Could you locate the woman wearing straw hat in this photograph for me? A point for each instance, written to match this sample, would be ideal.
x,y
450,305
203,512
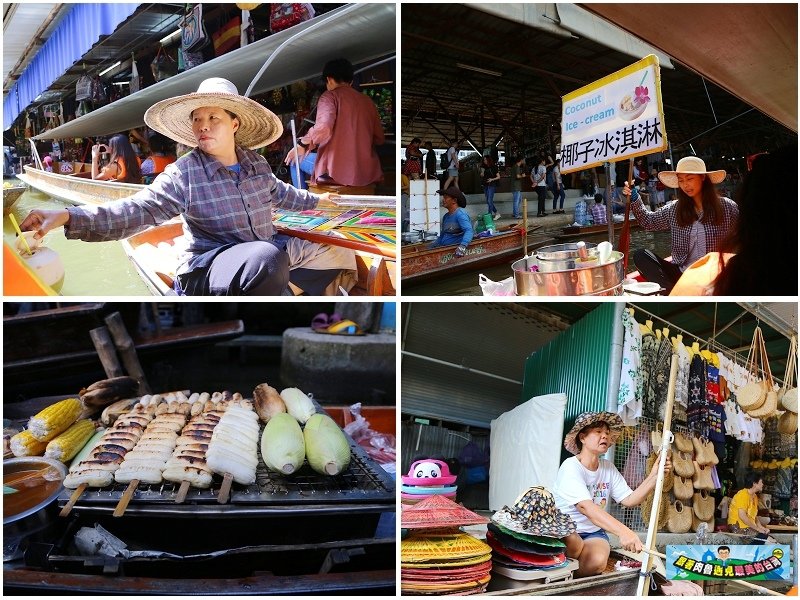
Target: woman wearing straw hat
x,y
224,193
586,483
698,221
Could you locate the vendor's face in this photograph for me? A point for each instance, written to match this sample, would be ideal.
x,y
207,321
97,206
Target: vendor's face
x,y
214,129
596,438
690,184
448,201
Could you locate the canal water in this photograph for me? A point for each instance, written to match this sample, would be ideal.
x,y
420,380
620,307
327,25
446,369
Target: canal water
x,y
91,269
466,284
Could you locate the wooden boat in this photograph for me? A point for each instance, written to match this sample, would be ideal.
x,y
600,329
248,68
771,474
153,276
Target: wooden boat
x,y
572,232
77,188
11,195
420,263
154,254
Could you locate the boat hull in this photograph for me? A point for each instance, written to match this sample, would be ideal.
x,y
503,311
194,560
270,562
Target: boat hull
x,y
11,195
77,190
574,232
419,263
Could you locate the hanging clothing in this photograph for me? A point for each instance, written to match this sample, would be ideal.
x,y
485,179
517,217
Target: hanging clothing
x,y
682,380
629,397
647,362
696,413
660,378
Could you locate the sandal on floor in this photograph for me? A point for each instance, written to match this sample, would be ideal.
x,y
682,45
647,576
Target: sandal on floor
x,y
323,321
342,327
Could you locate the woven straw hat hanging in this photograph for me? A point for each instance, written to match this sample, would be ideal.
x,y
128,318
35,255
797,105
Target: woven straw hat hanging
x,y
679,518
752,394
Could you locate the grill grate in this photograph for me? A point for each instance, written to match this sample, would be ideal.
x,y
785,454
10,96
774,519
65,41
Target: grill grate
x,y
364,481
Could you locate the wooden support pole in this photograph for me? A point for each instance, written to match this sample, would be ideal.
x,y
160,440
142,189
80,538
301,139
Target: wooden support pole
x,y
106,351
127,350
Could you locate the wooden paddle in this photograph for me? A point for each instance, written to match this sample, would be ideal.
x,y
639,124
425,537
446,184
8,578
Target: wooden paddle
x,y
625,235
72,500
126,498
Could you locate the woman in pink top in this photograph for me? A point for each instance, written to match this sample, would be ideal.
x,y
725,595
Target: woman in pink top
x,y
345,134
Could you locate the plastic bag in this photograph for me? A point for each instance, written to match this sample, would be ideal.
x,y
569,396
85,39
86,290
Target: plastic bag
x,y
380,446
497,288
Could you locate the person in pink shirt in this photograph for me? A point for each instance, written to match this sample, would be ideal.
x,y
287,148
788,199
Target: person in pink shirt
x,y
346,132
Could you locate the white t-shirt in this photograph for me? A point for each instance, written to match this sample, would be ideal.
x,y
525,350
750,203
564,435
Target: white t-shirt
x,y
575,483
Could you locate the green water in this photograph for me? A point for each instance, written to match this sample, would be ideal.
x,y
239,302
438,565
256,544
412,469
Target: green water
x,y
90,269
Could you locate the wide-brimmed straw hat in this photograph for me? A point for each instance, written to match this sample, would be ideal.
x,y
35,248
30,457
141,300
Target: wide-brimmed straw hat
x,y
588,419
690,165
535,513
173,117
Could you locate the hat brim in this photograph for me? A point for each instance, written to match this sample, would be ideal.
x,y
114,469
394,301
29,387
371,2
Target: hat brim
x,y
172,117
613,421
670,178
428,481
562,527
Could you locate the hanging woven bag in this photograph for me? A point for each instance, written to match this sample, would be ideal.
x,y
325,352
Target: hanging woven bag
x,y
753,394
703,505
682,488
682,464
679,518
683,443
787,395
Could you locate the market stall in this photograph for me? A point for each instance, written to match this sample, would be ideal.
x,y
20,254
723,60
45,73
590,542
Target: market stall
x,y
131,485
493,423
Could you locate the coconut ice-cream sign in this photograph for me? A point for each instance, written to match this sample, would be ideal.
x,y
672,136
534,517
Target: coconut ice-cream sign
x,y
614,118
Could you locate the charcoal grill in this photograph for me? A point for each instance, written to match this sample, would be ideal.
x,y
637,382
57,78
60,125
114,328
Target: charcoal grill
x,y
303,533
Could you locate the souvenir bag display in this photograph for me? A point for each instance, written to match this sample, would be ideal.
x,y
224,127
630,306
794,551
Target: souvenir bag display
x,y
83,89
770,406
136,79
99,95
228,36
163,65
704,452
282,16
193,31
682,488
703,505
679,518
787,395
753,394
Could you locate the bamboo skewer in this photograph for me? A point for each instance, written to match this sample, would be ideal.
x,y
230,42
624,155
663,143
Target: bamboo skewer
x,y
72,500
225,489
740,582
126,498
182,491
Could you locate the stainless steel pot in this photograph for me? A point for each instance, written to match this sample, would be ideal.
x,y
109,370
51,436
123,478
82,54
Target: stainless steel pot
x,y
591,280
34,518
561,257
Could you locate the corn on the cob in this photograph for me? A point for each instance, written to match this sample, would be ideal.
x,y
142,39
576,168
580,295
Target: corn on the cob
x,y
24,444
66,445
54,419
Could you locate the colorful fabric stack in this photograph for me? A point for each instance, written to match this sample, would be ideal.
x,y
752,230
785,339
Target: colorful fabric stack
x,y
526,536
427,478
439,559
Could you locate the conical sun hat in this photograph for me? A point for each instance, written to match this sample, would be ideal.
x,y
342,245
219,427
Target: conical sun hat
x,y
437,512
441,547
414,498
588,419
173,116
480,568
535,513
690,165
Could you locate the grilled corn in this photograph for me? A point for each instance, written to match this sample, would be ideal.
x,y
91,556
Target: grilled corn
x,y
24,444
54,419
66,445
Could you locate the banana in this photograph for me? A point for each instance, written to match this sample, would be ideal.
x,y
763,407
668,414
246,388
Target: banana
x,y
125,382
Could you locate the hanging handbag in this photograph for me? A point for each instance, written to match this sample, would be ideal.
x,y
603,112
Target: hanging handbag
x,y
83,89
193,31
647,506
679,518
788,393
163,65
683,443
227,37
704,452
702,479
752,394
682,464
787,423
770,406
668,478
682,488
703,505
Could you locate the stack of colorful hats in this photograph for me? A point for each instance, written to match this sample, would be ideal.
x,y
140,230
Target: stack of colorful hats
x,y
437,558
426,478
526,537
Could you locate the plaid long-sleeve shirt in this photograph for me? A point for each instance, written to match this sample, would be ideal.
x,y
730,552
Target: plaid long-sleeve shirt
x,y
664,219
217,207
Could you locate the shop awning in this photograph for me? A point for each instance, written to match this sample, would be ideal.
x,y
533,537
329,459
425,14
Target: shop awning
x,y
75,35
751,51
358,32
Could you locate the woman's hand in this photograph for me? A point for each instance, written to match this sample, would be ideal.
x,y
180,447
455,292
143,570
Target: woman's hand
x,y
297,153
97,149
633,194
42,221
667,467
630,541
327,198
